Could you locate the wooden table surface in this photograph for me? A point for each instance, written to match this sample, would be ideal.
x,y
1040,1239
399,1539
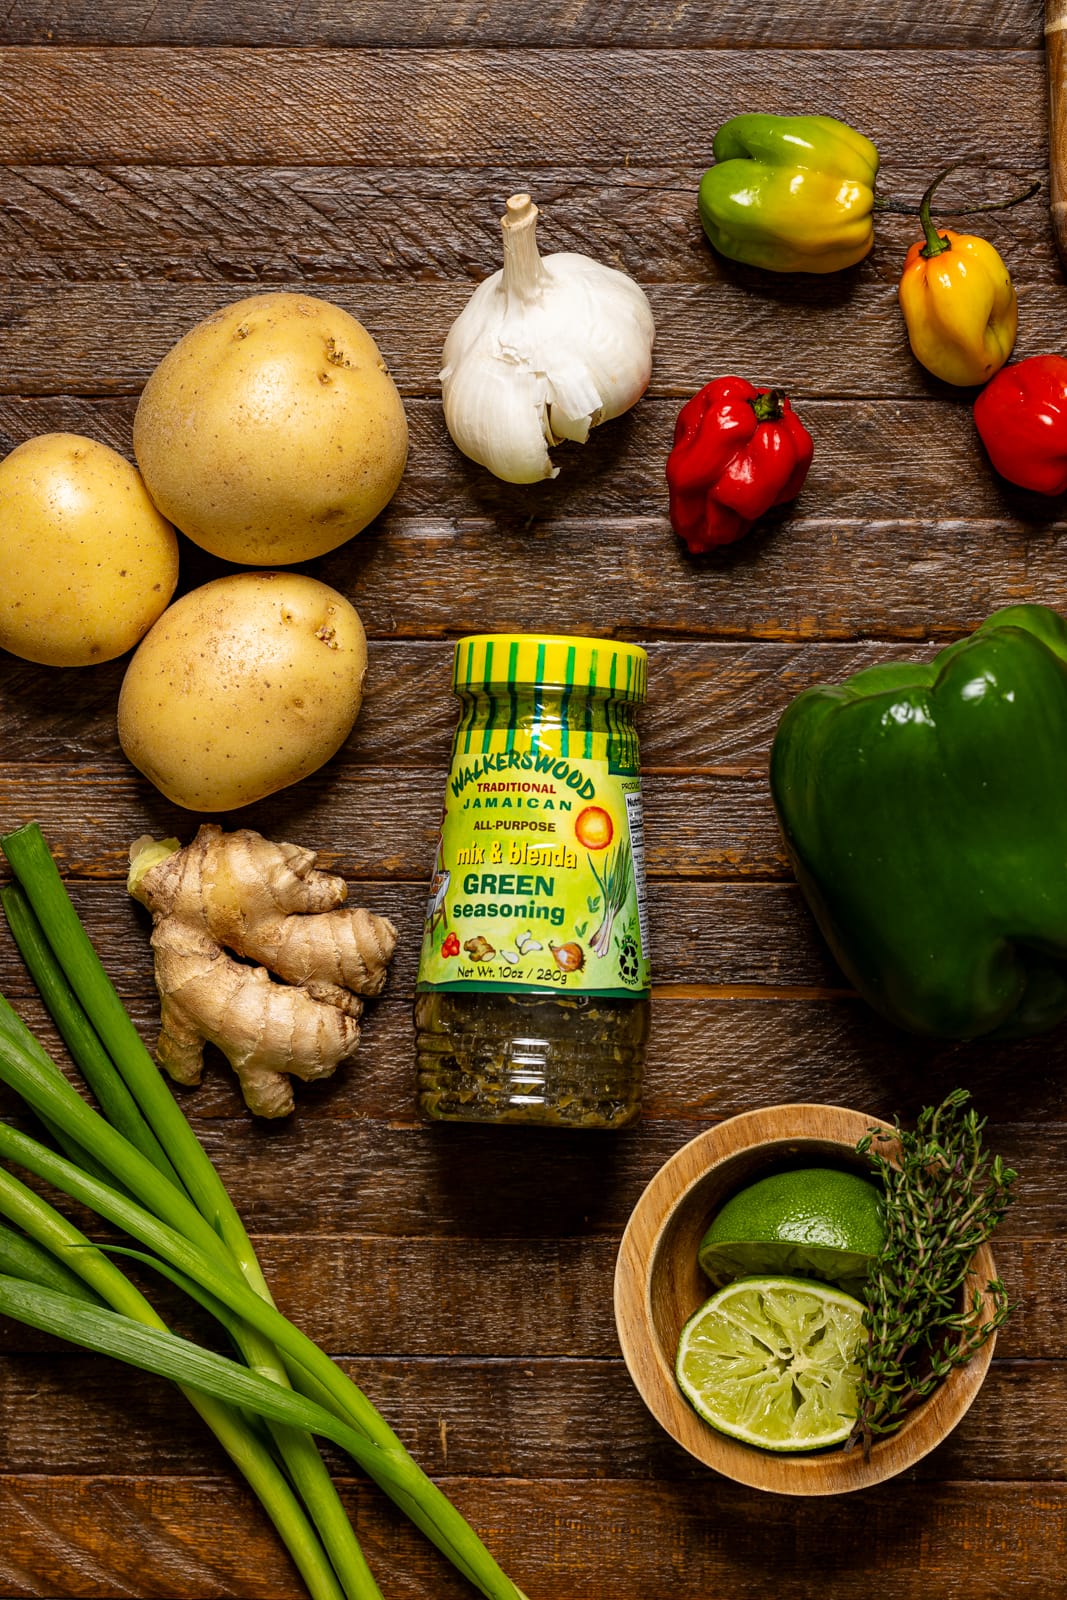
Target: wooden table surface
x,y
160,160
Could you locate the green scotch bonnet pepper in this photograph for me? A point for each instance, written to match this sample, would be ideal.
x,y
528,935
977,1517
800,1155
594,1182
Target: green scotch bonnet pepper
x,y
791,194
924,808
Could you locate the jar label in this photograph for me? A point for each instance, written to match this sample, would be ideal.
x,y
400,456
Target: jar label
x,y
539,881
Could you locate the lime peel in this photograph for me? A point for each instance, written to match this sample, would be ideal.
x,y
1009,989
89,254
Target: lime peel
x,y
821,1222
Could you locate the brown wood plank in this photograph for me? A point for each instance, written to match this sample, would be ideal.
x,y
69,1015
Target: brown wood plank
x,y
458,551
762,933
817,579
725,701
246,228
105,339
661,105
524,1418
400,1180
866,470
382,821
352,1176
713,707
117,1537
619,23
462,1181
713,1054
565,1307
537,1299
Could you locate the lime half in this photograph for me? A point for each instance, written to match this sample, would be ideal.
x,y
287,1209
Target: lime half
x,y
819,1221
775,1362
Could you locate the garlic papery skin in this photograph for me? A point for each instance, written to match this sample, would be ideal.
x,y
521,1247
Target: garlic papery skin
x,y
544,350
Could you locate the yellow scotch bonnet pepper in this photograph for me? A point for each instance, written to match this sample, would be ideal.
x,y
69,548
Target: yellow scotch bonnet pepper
x,y
791,194
959,303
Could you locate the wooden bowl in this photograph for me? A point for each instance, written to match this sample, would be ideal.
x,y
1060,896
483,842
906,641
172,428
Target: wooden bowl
x,y
658,1285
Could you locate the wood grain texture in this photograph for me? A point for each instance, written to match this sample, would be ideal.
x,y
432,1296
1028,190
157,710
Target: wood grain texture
x,y
327,225
135,1537
1056,60
408,1180
713,707
101,339
700,825
539,1301
158,160
619,23
445,108
705,933
714,1053
866,471
525,1418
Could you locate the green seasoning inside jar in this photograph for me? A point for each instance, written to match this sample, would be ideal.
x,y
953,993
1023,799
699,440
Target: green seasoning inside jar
x,y
532,996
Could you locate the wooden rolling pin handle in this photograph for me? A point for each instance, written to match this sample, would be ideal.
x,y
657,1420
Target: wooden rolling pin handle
x,y
1056,56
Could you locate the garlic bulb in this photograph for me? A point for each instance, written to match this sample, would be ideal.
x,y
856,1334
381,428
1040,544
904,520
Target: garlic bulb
x,y
544,350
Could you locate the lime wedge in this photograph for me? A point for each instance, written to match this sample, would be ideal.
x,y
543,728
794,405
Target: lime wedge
x,y
775,1362
820,1221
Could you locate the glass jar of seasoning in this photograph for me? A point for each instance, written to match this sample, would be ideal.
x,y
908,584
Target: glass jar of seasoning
x,y
532,1000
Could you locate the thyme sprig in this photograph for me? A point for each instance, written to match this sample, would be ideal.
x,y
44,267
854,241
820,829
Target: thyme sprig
x,y
944,1195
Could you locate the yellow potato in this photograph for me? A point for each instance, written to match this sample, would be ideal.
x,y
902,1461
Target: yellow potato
x,y
86,561
243,687
272,432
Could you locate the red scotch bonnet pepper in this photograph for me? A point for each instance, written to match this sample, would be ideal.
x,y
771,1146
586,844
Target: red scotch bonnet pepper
x,y
1021,417
737,452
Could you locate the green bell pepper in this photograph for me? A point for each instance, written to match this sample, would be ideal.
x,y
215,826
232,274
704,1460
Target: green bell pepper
x,y
794,194
924,807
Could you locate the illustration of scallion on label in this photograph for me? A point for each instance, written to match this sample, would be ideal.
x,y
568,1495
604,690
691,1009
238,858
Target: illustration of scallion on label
x,y
615,885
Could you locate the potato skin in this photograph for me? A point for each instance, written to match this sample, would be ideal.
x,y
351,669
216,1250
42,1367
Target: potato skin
x,y
272,432
243,687
87,563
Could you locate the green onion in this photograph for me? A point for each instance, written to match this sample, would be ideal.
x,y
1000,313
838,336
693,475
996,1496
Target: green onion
x,y
21,1257
389,1463
68,1251
38,875
143,1104
153,1348
114,1098
203,1246
75,987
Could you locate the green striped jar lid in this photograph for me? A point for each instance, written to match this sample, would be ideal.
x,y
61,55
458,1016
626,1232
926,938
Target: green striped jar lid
x,y
561,661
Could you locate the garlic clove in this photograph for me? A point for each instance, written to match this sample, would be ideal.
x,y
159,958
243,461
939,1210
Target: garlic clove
x,y
496,410
617,350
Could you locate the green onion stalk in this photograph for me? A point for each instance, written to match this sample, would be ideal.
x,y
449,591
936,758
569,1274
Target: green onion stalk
x,y
297,1449
154,1180
34,1275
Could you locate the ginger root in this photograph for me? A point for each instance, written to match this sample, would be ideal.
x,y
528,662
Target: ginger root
x,y
264,902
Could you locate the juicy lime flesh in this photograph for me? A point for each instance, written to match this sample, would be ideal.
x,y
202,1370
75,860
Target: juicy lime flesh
x,y
819,1221
774,1362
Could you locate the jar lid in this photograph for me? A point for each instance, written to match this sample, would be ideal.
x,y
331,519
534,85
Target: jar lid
x,y
562,661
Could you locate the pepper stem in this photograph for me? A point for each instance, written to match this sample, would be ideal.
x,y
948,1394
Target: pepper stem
x,y
936,243
523,272
768,405
904,208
